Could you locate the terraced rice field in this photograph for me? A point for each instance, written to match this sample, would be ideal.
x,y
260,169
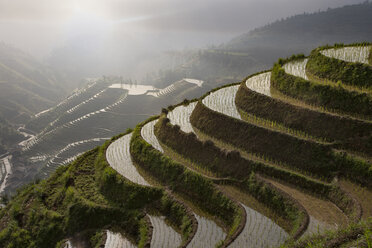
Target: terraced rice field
x,y
85,102
67,100
207,229
109,107
70,159
223,101
312,204
316,227
147,133
37,139
72,148
350,54
181,116
208,234
163,235
68,105
116,240
260,83
118,156
66,155
259,231
133,89
194,81
2,171
324,215
6,170
297,68
169,89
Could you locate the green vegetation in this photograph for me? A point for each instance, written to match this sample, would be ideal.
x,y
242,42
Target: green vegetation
x,y
226,164
278,201
326,96
355,235
117,188
43,213
321,125
195,187
85,195
314,157
232,165
120,189
354,74
370,56
310,157
88,196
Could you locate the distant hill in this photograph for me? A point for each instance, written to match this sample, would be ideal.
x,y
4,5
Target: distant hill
x,y
26,86
303,32
258,49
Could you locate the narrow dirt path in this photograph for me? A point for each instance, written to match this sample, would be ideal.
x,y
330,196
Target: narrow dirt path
x,y
323,214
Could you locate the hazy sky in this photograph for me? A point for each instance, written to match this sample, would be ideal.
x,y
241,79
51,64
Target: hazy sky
x,y
38,26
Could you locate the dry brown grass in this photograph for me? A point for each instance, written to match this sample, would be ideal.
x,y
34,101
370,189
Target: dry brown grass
x,y
322,210
362,194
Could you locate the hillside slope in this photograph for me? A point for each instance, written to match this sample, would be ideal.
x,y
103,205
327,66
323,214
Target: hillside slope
x,y
303,32
106,105
221,170
26,86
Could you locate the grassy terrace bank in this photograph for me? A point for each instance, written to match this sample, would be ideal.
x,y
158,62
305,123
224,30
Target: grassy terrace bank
x,y
326,96
234,170
175,212
355,235
322,125
88,197
73,200
318,160
347,133
230,164
189,184
353,74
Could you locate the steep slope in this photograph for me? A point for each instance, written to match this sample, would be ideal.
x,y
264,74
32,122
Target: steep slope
x,y
213,171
